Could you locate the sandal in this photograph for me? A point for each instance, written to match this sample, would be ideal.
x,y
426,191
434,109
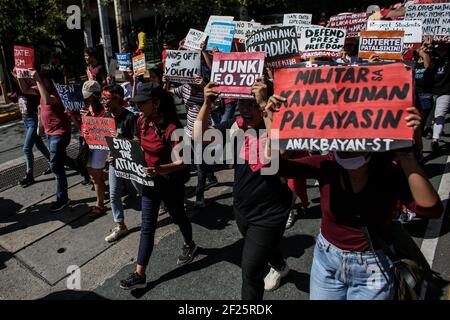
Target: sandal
x,y
97,212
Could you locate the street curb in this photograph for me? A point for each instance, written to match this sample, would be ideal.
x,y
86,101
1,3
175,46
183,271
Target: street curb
x,y
9,116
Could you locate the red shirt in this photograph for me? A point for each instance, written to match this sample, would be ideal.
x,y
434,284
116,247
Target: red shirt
x,y
54,118
96,73
155,141
376,203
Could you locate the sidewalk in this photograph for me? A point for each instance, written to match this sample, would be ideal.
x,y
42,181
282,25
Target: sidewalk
x,y
9,112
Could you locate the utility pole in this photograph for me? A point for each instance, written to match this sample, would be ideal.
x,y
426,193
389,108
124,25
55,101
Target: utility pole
x,y
87,30
104,26
120,23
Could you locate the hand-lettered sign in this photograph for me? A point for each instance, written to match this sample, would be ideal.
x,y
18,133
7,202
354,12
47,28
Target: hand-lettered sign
x,y
321,42
298,20
139,64
244,29
388,45
71,96
352,108
124,61
280,44
23,61
352,22
216,19
129,162
412,29
95,129
236,72
194,39
221,36
435,18
182,66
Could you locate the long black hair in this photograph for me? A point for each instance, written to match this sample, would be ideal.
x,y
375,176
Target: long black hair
x,y
168,109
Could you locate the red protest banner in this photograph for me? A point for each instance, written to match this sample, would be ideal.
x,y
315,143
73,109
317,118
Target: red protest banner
x,y
236,72
23,60
352,108
97,129
353,23
388,45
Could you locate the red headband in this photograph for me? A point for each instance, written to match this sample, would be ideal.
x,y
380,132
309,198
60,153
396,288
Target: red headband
x,y
110,95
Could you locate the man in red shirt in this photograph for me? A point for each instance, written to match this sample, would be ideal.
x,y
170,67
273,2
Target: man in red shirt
x,y
94,70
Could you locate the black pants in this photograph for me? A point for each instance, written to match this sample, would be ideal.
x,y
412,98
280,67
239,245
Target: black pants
x,y
171,191
261,247
204,171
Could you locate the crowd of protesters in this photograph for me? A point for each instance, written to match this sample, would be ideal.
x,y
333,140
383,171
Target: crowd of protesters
x,y
371,187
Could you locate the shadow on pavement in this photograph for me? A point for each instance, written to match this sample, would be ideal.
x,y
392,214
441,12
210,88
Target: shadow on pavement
x,y
73,295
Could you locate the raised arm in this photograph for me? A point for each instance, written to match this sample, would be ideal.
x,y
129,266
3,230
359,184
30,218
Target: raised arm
x,y
46,97
202,121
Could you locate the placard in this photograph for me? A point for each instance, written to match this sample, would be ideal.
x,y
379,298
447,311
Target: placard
x,y
194,39
71,96
412,28
216,19
97,129
221,36
280,44
236,72
435,18
350,108
244,29
321,42
298,20
23,61
139,64
124,61
388,45
352,22
182,66
129,162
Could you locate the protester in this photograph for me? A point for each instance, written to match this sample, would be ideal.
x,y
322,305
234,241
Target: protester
x,y
142,40
94,70
344,264
133,40
156,125
28,104
112,101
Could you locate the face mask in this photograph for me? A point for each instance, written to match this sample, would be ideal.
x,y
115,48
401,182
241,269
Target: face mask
x,y
351,163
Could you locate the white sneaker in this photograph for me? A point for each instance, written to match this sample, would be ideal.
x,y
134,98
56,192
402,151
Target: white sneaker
x,y
291,219
116,234
273,279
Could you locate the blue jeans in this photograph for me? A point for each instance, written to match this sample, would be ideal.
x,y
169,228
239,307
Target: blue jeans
x,y
346,275
228,113
58,145
32,139
115,194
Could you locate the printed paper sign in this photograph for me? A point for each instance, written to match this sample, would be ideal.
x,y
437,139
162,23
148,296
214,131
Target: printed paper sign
x,y
71,96
194,39
97,129
124,61
412,29
388,45
352,108
23,61
236,72
182,66
245,29
221,36
435,18
280,44
216,19
139,64
129,162
298,20
321,42
352,22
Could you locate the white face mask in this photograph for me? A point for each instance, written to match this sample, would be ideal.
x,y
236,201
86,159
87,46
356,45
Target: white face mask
x,y
351,163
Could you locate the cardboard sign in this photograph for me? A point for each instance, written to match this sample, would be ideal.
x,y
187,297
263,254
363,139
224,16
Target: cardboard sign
x,y
244,30
221,36
352,108
352,22
280,44
98,128
139,64
236,72
321,42
216,19
412,29
435,18
194,39
182,65
129,162
71,96
298,20
23,61
124,61
387,44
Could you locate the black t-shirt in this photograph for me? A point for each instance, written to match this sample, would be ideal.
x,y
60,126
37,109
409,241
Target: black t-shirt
x,y
423,78
442,76
126,125
263,200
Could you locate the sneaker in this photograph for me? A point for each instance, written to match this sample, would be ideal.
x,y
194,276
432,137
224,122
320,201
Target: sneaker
x,y
292,218
187,254
162,208
26,181
200,202
59,205
116,234
211,182
134,281
47,171
434,146
273,279
86,181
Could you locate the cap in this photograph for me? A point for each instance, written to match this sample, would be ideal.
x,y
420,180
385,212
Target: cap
x,y
147,91
90,87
